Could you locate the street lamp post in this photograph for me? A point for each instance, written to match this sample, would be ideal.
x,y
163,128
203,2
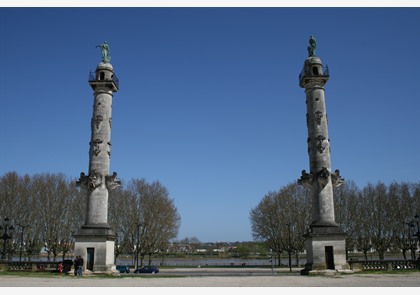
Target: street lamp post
x,y
272,261
7,235
289,249
410,243
21,241
417,221
137,246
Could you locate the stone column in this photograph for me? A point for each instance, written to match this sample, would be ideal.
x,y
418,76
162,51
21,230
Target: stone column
x,y
95,240
325,240
318,143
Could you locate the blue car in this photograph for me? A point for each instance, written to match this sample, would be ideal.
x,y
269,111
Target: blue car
x,y
123,268
147,269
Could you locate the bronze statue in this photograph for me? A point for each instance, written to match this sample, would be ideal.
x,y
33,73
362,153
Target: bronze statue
x,y
106,52
312,46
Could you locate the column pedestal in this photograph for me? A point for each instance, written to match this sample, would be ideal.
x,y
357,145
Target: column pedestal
x,y
96,245
325,250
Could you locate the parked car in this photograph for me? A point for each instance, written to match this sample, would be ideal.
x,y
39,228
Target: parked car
x,y
67,265
123,268
147,269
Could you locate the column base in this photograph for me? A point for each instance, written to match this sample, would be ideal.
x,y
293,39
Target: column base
x,y
325,250
96,245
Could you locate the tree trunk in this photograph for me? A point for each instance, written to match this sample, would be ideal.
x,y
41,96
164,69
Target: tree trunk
x,y
366,255
150,259
404,255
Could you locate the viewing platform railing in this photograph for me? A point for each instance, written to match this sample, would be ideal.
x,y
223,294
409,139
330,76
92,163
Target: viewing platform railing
x,y
92,78
325,73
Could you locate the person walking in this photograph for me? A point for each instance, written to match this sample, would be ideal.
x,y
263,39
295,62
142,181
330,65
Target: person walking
x,y
76,265
80,266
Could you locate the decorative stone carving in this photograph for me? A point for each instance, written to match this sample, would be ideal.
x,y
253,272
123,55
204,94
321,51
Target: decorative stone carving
x,y
96,149
98,120
112,182
318,117
336,178
306,179
110,122
83,181
322,177
89,182
95,180
319,143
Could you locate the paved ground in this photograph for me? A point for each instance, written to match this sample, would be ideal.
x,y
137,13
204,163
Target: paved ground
x,y
285,279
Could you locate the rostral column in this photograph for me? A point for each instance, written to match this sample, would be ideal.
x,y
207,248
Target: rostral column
x,y
325,241
95,241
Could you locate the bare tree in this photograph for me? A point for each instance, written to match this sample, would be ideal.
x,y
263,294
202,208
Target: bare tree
x,y
381,216
120,219
402,196
12,196
363,228
298,211
53,195
156,218
271,219
347,211
266,223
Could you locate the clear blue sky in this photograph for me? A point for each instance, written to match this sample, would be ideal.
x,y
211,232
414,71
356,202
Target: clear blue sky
x,y
209,101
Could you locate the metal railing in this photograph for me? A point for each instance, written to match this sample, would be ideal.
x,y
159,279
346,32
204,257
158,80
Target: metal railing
x,y
325,73
92,78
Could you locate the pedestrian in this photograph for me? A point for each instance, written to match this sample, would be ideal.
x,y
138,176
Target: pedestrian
x,y
76,265
80,264
60,268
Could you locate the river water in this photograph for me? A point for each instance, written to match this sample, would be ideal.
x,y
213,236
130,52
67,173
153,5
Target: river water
x,y
189,262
